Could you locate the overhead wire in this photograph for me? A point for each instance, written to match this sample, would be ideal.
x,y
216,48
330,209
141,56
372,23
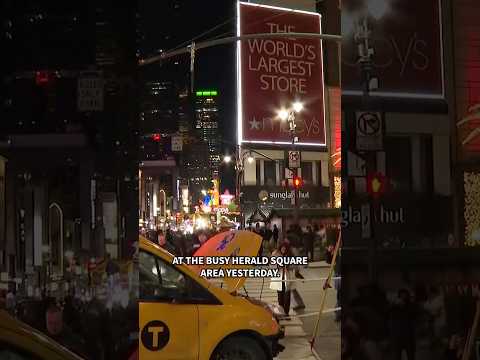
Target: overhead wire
x,y
185,43
201,35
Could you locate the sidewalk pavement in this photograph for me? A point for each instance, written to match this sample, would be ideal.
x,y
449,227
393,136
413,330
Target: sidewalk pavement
x,y
327,342
296,341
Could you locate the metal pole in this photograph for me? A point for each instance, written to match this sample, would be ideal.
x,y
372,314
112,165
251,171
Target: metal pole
x,y
238,172
366,67
295,175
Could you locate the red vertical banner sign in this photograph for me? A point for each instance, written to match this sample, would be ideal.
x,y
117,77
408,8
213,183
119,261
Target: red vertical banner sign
x,y
274,73
335,116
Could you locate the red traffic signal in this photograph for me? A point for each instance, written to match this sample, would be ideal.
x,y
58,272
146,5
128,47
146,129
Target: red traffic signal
x,y
297,182
156,137
376,184
42,78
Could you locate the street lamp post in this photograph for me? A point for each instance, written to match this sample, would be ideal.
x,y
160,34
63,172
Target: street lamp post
x,y
289,116
239,168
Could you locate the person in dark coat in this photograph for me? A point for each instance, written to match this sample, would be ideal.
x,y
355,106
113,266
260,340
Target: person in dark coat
x,y
259,231
308,240
266,236
275,234
162,241
402,326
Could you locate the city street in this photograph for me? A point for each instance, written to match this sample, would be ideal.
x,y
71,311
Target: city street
x,y
298,331
147,148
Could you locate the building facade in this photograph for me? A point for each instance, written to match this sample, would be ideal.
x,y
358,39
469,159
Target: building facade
x,y
207,125
67,183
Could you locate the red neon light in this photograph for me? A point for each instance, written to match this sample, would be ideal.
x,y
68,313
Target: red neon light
x,y
335,96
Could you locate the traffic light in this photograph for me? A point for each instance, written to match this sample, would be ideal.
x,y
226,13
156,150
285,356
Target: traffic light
x,y
297,182
156,137
376,184
42,78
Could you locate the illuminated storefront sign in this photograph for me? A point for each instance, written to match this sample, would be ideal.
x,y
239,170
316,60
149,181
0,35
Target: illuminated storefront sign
x,y
274,73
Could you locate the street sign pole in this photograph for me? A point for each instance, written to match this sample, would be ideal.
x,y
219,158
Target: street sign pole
x,y
295,170
372,249
369,83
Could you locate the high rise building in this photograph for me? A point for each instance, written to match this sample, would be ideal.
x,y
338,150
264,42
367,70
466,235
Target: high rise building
x,y
207,123
158,107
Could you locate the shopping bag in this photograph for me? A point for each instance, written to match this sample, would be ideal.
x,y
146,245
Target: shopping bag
x,y
276,283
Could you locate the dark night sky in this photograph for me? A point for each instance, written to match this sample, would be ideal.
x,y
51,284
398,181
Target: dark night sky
x,y
166,24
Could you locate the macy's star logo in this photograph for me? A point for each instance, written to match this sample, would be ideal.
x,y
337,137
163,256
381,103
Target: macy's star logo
x,y
473,114
254,124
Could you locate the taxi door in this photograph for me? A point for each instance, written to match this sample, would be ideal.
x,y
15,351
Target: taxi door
x,y
168,318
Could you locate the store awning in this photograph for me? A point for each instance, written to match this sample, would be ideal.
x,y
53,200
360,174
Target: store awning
x,y
258,216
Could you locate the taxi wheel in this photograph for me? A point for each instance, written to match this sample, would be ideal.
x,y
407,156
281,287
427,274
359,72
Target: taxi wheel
x,y
239,348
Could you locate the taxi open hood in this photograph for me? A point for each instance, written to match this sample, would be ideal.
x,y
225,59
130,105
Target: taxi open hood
x,y
230,243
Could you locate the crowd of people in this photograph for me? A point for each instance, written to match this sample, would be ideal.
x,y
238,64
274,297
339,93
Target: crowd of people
x,y
178,243
303,241
412,323
298,237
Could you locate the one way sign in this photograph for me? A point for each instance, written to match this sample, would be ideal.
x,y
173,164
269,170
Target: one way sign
x,y
369,129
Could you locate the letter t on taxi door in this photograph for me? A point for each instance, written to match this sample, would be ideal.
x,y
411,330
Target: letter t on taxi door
x,y
155,330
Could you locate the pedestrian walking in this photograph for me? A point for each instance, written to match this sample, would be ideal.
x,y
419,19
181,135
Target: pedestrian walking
x,y
308,240
285,286
275,234
300,305
267,235
259,231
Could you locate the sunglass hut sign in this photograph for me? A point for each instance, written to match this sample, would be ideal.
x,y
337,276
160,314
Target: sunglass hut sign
x,y
282,195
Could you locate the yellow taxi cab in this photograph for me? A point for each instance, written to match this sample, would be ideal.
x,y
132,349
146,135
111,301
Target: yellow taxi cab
x,y
19,341
184,316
